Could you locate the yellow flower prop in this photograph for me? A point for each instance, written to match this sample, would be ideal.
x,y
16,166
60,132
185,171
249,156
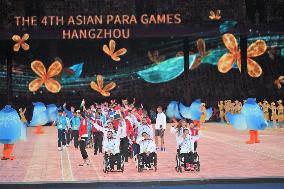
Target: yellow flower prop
x,y
110,51
278,82
20,42
155,57
99,86
215,15
45,77
226,62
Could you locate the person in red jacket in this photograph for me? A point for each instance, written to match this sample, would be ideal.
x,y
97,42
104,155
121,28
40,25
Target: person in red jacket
x,y
83,137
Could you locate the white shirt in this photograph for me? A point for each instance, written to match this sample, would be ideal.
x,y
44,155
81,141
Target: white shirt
x,y
147,146
144,128
161,120
121,130
186,145
111,145
178,134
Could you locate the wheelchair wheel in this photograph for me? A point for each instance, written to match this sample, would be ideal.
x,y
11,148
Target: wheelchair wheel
x,y
197,168
155,168
176,168
140,169
104,166
122,168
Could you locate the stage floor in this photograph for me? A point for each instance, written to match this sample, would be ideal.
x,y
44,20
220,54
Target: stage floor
x,y
222,150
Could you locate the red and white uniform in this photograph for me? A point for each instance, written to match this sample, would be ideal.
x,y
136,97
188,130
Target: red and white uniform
x,y
83,130
98,122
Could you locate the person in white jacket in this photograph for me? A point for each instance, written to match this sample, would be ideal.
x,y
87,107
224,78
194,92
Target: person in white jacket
x,y
160,127
144,127
177,129
148,150
111,150
187,149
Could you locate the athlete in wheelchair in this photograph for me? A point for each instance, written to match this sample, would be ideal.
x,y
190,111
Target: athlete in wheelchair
x,y
112,156
147,158
186,157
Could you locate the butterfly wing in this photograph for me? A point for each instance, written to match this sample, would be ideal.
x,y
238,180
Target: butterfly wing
x,y
239,63
35,84
277,83
118,53
95,86
16,38
201,47
16,47
100,81
25,37
38,67
52,85
104,93
211,15
54,69
281,79
107,50
230,42
112,45
25,46
218,15
109,86
256,49
225,63
254,70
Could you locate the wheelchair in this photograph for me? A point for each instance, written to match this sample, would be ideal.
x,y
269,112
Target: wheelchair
x,y
180,162
141,165
109,167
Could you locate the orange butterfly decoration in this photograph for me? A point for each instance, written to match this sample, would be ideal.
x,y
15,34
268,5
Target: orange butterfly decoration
x,y
155,57
215,15
279,81
201,47
45,77
99,86
114,54
20,42
226,62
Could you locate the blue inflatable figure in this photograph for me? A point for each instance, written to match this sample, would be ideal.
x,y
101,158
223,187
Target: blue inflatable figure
x,y
193,112
11,130
52,112
251,118
40,117
173,110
